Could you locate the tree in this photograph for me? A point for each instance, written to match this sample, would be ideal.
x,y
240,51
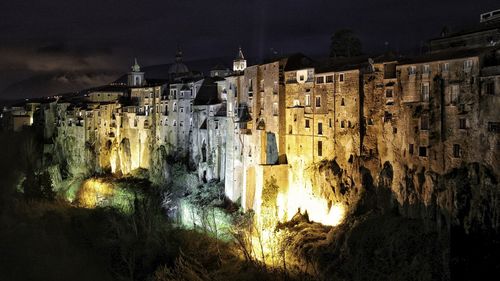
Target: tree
x,y
344,43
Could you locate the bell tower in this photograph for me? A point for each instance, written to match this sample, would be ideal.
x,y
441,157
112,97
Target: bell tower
x,y
240,63
136,77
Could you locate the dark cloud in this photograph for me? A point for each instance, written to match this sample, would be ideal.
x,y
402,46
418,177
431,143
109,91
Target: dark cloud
x,y
105,35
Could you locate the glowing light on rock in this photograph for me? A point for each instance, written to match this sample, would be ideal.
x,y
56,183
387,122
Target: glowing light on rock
x,y
92,192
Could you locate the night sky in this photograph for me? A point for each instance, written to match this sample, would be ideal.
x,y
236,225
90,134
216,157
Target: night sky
x,y
63,45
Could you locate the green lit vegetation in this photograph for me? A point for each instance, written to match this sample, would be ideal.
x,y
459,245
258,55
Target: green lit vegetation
x,y
124,234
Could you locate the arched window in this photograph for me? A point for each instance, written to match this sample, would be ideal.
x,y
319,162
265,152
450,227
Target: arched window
x,y
137,80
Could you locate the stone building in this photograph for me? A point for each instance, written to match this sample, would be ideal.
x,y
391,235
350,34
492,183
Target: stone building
x,y
284,120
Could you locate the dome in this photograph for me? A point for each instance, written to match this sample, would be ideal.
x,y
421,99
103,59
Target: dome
x,y
178,67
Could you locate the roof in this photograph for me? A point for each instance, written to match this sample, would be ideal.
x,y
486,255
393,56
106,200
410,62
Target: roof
x,y
298,61
207,94
478,28
341,64
448,55
240,55
222,112
204,125
110,88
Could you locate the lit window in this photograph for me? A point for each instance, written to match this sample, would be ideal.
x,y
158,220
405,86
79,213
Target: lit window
x,y
275,109
446,67
425,92
307,101
467,65
411,70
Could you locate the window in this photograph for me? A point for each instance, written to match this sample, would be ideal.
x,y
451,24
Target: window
x,y
301,78
456,151
426,68
494,127
490,88
422,151
467,65
329,79
296,103
295,117
412,70
181,109
425,92
394,130
181,124
307,101
454,94
349,124
410,148
320,128
424,122
342,102
446,67
388,93
462,123
174,123
307,123
318,101
166,122
174,109
330,122
216,125
320,148
320,80
342,124
341,77
275,109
